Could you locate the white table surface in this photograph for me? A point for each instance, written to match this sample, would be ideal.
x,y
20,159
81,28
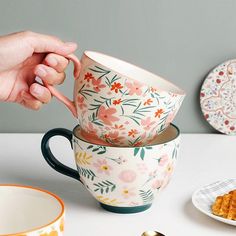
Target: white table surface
x,y
204,158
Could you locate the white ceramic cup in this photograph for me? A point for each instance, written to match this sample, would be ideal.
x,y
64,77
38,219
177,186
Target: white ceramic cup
x,y
29,211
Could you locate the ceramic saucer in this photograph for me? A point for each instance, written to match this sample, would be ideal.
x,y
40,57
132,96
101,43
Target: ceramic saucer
x,y
204,197
218,97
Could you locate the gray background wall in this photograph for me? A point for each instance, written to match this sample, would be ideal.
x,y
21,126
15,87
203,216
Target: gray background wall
x,y
180,40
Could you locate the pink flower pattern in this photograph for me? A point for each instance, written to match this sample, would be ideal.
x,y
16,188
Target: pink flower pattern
x,y
91,128
97,85
135,87
102,167
147,123
113,137
107,115
81,103
142,167
89,132
156,184
127,176
163,160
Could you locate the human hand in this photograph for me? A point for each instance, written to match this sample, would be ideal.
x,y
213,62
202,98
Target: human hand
x,y
25,55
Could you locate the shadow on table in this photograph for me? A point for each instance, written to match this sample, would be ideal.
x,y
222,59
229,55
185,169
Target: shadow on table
x,y
72,192
205,221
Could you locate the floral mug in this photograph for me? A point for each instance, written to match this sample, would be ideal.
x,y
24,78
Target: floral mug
x,y
119,103
121,179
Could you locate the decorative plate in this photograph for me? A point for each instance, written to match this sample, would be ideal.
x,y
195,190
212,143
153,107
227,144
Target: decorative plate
x,y
204,197
218,97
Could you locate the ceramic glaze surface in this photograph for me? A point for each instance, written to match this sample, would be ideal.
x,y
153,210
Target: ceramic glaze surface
x,y
122,110
128,176
218,97
30,212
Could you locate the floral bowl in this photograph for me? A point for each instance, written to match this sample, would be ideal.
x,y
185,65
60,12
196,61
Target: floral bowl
x,y
29,211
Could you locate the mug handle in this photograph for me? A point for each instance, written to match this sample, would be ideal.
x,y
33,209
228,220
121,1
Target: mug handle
x,y
70,104
51,159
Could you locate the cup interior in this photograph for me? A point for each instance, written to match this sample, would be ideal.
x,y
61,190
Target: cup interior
x,y
168,135
133,72
171,133
25,209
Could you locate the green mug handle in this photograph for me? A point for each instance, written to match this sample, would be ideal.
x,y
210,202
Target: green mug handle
x,y
51,159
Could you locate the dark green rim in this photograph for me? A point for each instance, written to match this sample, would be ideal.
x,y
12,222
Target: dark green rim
x,y
151,145
125,210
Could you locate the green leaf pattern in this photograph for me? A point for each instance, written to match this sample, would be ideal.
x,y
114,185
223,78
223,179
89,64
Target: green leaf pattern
x,y
147,196
104,187
89,174
98,149
141,151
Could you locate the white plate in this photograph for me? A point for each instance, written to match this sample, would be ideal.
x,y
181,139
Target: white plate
x,y
204,197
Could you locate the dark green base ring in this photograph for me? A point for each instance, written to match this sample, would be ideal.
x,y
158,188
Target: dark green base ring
x,y
125,210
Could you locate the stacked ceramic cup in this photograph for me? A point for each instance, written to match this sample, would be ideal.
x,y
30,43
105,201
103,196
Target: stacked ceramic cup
x,y
125,145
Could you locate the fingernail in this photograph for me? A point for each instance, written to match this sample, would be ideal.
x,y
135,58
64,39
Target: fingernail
x,y
71,44
41,72
52,61
37,90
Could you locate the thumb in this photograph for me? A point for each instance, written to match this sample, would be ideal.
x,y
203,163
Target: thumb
x,y
41,43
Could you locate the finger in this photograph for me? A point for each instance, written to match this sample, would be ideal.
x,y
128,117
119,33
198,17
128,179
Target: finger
x,y
59,63
41,43
49,75
40,92
30,102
